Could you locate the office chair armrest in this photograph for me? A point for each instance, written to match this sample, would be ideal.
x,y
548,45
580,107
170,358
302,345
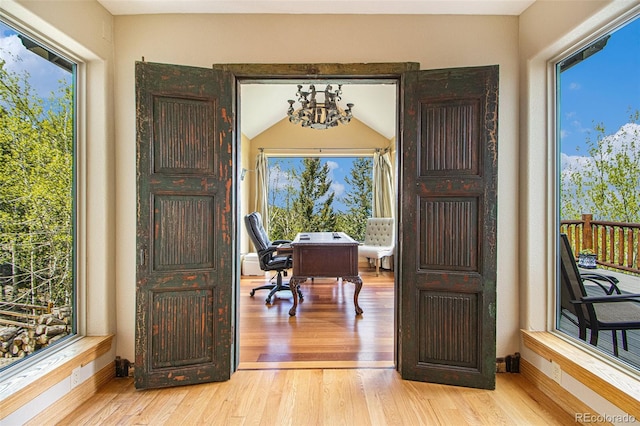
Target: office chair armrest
x,y
276,242
267,253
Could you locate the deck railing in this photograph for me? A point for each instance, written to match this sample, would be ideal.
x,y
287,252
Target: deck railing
x,y
616,244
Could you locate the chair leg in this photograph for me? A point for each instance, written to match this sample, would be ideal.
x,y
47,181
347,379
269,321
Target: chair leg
x,y
594,336
275,288
583,332
625,344
377,267
262,287
614,334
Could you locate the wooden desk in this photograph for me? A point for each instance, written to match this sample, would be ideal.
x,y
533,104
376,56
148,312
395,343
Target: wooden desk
x,y
324,254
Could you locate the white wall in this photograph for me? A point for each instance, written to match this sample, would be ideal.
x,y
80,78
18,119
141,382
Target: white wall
x,y
433,41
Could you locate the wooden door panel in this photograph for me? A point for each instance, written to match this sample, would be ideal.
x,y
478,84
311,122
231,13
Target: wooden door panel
x,y
448,225
440,218
174,316
449,140
179,121
184,229
184,272
448,336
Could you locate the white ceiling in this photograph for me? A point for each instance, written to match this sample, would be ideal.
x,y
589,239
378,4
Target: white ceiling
x,y
361,7
263,105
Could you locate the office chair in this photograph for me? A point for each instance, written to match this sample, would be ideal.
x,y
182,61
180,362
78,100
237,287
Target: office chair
x,y
267,257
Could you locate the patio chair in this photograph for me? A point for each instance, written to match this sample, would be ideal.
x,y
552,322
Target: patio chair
x,y
607,311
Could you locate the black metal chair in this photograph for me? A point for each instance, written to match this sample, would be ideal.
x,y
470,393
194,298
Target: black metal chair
x,y
268,259
607,311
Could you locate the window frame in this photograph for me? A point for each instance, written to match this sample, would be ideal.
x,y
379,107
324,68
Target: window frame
x,y
78,219
553,86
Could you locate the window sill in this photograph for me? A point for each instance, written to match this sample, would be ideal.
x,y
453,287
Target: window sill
x,y
618,387
21,388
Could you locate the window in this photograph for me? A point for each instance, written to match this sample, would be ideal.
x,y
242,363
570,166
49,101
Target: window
x,y
598,129
37,203
319,194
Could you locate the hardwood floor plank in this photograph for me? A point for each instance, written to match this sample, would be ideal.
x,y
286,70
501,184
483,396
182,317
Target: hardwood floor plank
x,y
325,366
320,397
344,402
325,327
192,406
385,402
521,409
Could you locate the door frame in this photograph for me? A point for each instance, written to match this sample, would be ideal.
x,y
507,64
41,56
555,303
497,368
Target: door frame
x,y
283,72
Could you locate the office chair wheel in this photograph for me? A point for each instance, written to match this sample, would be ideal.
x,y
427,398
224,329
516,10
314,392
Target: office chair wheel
x,y
252,292
268,300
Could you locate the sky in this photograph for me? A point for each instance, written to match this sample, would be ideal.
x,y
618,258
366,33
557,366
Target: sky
x,y
604,88
44,74
339,168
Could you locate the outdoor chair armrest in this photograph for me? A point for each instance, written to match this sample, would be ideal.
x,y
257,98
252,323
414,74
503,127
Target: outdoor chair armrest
x,y
609,299
599,278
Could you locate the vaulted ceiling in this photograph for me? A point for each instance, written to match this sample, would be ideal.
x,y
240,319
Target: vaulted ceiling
x,y
263,105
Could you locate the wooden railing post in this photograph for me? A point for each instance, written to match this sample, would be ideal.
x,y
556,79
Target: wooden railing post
x,y
587,232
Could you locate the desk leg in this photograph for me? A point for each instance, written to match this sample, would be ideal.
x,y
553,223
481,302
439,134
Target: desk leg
x,y
294,284
358,283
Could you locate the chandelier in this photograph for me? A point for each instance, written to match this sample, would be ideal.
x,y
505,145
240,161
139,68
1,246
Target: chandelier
x,y
319,114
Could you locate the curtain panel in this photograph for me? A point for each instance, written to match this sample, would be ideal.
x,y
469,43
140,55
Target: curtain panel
x,y
382,185
262,188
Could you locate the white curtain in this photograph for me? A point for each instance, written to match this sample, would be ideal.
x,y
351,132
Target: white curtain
x,y
383,194
262,189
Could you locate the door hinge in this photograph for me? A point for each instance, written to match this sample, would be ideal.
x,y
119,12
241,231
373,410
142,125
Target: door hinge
x,y
142,256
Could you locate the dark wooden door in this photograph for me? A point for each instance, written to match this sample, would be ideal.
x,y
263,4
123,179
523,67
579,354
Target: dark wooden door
x,y
448,226
185,216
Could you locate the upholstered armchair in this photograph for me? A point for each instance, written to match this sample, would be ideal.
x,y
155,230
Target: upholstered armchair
x,y
379,240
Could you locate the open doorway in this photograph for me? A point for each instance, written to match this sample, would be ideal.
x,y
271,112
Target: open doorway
x,y
188,236
325,330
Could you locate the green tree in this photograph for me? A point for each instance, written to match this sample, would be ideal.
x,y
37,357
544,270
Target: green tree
x,y
36,175
358,199
314,203
607,182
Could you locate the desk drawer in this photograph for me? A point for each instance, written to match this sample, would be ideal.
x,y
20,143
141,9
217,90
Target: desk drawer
x,y
325,261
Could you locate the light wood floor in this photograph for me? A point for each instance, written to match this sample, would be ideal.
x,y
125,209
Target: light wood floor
x,y
325,366
325,331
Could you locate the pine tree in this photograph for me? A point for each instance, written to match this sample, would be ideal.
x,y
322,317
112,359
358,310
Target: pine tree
x,y
315,203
